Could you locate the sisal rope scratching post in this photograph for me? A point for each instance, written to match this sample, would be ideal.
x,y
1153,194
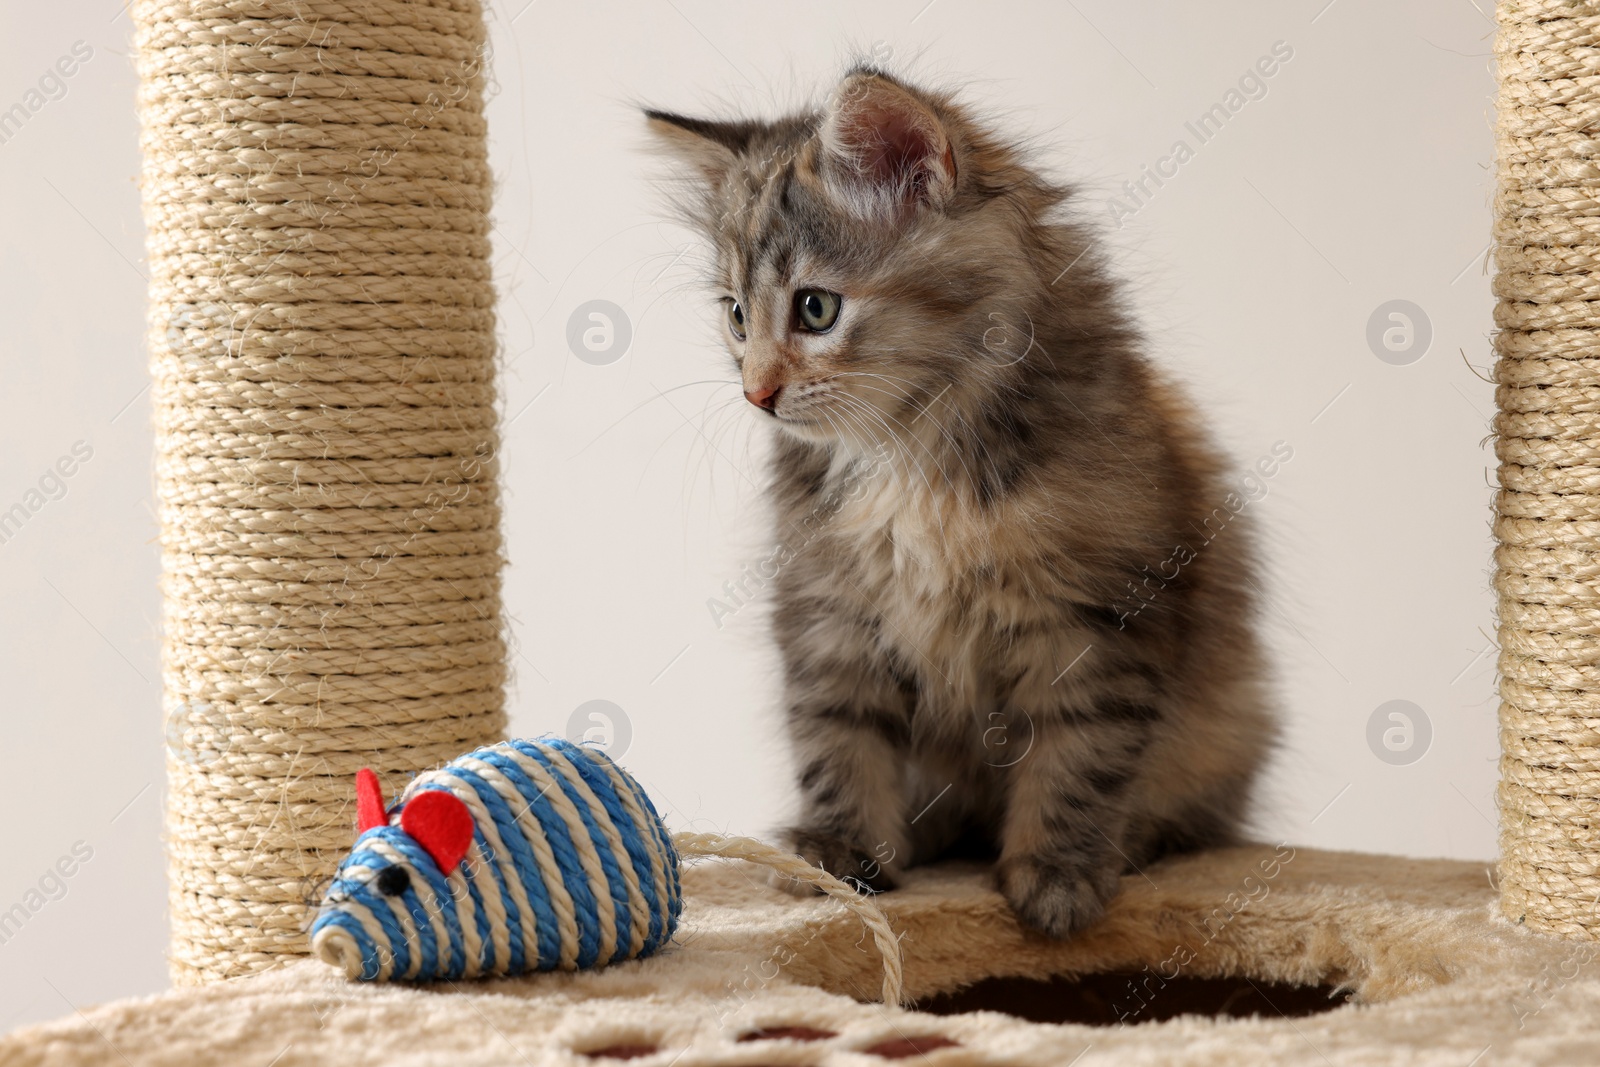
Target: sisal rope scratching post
x,y
316,193
1547,250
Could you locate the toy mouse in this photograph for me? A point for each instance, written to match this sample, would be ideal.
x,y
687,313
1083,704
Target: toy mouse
x,y
527,856
520,856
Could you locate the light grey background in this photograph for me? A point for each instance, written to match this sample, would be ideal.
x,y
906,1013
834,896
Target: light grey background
x,y
1361,177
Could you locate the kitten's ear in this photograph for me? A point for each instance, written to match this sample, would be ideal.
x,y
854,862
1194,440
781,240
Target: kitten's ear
x,y
709,146
888,143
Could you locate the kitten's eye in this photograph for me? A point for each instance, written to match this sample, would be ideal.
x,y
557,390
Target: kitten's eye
x,y
817,309
392,881
736,319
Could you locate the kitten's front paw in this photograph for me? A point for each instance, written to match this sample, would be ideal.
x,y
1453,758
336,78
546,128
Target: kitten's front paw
x,y
845,861
1053,898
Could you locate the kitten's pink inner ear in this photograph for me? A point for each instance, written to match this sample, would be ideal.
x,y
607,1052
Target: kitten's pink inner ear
x,y
369,802
891,140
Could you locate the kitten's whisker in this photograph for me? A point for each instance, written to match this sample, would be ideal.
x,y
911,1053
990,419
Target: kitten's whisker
x,y
969,438
692,477
840,432
862,407
713,448
955,446
868,410
644,473
660,394
853,426
871,374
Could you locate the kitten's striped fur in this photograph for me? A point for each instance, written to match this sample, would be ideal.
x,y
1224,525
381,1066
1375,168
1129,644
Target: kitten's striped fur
x,y
961,667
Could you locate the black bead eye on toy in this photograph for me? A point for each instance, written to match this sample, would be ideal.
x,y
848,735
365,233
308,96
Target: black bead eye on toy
x,y
392,881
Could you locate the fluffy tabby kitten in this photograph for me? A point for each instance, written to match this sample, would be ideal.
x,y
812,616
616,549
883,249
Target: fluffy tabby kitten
x,y
989,635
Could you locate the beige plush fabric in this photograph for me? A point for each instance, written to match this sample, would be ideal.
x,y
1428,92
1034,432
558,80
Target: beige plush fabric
x,y
1439,978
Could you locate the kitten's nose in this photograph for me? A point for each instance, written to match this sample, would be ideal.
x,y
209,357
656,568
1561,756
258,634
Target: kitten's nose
x,y
763,398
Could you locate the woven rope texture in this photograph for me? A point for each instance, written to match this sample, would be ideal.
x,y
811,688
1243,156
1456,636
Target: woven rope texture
x,y
1547,522
316,190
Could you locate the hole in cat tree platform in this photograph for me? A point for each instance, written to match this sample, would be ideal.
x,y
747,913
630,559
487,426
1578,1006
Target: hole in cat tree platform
x,y
1127,997
621,1052
791,1033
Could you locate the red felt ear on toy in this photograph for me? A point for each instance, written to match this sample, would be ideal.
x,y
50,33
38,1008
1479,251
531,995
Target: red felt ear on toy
x,y
369,802
440,823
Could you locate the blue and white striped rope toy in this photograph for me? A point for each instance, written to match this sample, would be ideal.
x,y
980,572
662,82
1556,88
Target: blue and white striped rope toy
x,y
526,856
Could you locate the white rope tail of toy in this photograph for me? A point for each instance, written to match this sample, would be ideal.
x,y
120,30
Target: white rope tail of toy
x,y
787,863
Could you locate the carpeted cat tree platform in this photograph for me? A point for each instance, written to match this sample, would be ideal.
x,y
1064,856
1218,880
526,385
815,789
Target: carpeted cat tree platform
x,y
756,977
322,337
